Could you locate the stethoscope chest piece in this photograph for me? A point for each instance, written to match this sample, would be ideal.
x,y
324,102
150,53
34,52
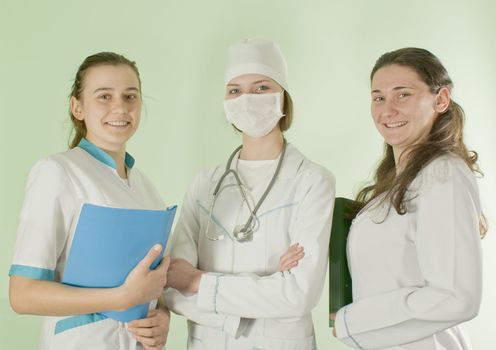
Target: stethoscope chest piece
x,y
242,233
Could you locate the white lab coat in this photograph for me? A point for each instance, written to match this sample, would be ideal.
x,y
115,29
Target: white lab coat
x,y
57,188
243,302
417,276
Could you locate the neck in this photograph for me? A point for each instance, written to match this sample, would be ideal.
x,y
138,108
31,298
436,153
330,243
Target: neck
x,y
400,159
263,148
116,151
119,157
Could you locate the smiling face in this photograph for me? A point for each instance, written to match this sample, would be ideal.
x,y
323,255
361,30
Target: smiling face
x,y
403,107
110,105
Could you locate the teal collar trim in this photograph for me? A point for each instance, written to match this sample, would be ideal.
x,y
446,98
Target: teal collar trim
x,y
102,156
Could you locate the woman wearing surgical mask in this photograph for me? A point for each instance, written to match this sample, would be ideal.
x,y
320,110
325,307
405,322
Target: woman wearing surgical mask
x,y
237,273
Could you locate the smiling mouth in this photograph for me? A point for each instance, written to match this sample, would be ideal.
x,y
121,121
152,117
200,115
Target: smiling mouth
x,y
120,123
395,125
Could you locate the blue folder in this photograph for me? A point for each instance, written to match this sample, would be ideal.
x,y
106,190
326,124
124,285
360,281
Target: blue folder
x,y
109,242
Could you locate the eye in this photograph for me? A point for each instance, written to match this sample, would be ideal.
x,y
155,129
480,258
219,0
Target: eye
x,y
131,97
233,91
402,95
262,88
105,97
377,99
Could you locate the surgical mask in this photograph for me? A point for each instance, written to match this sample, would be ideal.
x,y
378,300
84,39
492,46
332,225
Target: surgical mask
x,y
254,114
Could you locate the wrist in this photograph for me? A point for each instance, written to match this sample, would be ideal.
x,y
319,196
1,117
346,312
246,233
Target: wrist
x,y
196,282
120,299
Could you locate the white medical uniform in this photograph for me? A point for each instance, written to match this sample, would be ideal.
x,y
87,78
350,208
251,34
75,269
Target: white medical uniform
x,y
417,276
243,302
57,188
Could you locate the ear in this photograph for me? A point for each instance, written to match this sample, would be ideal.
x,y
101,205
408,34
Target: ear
x,y
76,108
443,99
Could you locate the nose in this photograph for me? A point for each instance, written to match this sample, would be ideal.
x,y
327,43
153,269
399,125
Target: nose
x,y
119,107
389,109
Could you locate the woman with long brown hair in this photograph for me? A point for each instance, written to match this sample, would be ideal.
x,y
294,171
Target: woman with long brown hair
x,y
414,247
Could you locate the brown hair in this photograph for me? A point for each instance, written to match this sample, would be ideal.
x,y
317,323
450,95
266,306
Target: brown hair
x,y
445,137
100,59
286,121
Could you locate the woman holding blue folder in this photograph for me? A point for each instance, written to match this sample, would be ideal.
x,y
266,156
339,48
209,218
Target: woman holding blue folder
x,y
105,108
228,277
414,248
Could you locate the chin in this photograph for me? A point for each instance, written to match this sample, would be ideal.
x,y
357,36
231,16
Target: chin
x,y
393,142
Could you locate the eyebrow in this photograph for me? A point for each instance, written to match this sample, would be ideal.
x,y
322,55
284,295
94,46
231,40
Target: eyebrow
x,y
395,88
255,82
111,89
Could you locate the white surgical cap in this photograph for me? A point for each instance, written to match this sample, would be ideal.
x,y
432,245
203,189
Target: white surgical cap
x,y
256,56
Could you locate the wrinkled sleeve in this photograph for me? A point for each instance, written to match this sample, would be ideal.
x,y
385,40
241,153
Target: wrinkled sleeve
x,y
185,246
44,222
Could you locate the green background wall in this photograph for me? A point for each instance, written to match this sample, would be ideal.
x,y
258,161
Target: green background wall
x,y
330,47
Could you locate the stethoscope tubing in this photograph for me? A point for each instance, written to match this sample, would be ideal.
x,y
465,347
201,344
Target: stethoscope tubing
x,y
228,171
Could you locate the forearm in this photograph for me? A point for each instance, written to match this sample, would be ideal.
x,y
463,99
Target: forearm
x,y
187,306
48,298
412,314
280,295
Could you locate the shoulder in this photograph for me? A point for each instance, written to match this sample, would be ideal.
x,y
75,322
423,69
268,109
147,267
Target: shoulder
x,y
443,170
53,165
203,180
307,170
61,162
50,175
446,167
211,174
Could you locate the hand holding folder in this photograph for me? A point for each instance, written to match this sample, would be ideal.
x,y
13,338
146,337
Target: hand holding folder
x,y
108,244
143,284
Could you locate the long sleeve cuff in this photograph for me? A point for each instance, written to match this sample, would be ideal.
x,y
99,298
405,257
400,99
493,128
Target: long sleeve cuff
x,y
342,330
207,292
207,300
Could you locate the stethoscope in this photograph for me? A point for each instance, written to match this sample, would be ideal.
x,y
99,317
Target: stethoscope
x,y
243,232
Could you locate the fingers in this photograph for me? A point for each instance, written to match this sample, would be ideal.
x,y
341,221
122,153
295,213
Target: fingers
x,y
291,257
152,313
152,331
151,343
333,317
144,322
164,264
289,265
292,248
294,252
156,317
150,257
148,332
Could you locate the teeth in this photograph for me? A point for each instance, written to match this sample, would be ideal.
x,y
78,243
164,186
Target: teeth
x,y
395,125
118,123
